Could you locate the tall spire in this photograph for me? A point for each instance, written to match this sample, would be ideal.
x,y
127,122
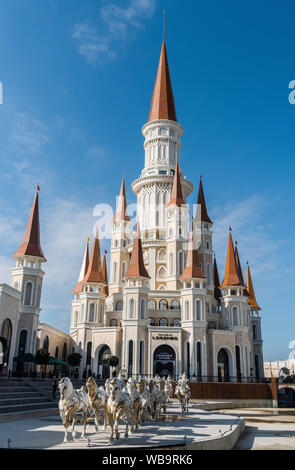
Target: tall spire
x,y
176,195
193,268
31,243
202,214
231,277
93,273
136,267
83,270
239,269
105,275
252,300
162,106
217,291
121,213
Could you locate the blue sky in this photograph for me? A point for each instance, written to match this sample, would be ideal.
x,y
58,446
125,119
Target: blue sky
x,y
78,80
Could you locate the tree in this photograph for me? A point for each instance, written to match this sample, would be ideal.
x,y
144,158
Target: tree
x,y
74,359
113,361
42,357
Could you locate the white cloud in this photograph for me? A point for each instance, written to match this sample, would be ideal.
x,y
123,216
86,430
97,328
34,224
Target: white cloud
x,y
118,26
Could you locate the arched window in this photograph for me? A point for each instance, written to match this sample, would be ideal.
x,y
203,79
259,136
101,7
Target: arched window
x,y
186,310
180,262
75,318
46,343
235,316
124,269
207,244
152,304
238,363
141,357
114,272
162,254
142,309
130,357
175,305
162,272
163,322
254,331
56,352
22,342
163,304
88,354
188,358
199,359
131,308
91,312
64,352
176,322
198,309
208,268
114,322
29,293
151,321
119,305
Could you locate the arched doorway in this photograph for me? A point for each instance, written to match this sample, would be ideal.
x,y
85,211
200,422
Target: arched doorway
x,y
223,366
5,337
164,360
103,369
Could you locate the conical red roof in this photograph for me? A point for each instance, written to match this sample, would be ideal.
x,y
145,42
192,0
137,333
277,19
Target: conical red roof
x,y
162,106
231,277
239,269
201,200
121,213
84,269
31,243
252,300
176,195
94,270
105,275
137,267
193,268
217,291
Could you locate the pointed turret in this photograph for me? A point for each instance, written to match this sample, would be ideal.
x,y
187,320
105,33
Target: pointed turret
x,y
202,215
105,275
239,269
31,243
121,213
136,267
252,300
83,270
93,274
231,277
162,106
217,291
176,195
193,268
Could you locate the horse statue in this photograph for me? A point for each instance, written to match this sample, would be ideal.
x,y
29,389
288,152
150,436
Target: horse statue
x,y
136,402
168,389
162,397
155,398
70,402
97,400
119,407
145,400
121,380
183,393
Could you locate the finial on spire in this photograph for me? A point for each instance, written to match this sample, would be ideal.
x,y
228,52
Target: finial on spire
x,y
38,187
164,25
201,177
230,228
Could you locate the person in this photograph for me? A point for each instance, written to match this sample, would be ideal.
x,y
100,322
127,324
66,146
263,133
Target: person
x,y
54,386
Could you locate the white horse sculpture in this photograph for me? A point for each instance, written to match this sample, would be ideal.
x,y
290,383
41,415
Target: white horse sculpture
x,y
97,400
70,402
168,389
145,412
119,407
155,398
136,402
183,393
162,396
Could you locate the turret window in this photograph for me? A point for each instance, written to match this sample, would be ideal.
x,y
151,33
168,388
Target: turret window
x,y
163,304
119,305
186,310
91,312
131,308
29,293
100,313
235,316
142,309
198,309
152,304
175,305
163,322
208,274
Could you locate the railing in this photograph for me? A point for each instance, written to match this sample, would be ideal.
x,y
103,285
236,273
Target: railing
x,y
206,378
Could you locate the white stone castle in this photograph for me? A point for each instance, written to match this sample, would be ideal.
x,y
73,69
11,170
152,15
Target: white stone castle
x,y
163,310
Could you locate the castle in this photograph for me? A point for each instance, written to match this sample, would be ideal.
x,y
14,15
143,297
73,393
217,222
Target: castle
x,y
163,309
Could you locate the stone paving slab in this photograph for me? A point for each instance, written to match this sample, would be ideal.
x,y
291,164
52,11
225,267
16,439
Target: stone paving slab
x,y
196,426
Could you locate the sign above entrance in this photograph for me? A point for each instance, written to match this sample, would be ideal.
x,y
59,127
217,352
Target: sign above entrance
x,y
165,337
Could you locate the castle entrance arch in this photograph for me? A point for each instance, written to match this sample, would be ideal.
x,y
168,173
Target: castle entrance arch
x,y
164,361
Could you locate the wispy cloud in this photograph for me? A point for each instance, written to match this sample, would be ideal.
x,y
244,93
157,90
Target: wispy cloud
x,y
118,25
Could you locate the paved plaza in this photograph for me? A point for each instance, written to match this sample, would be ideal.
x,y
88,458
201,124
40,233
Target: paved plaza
x,y
198,427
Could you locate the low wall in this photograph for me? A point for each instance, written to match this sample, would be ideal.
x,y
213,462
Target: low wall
x,y
262,394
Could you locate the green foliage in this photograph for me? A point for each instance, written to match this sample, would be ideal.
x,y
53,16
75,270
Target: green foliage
x,y
74,359
42,356
113,361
